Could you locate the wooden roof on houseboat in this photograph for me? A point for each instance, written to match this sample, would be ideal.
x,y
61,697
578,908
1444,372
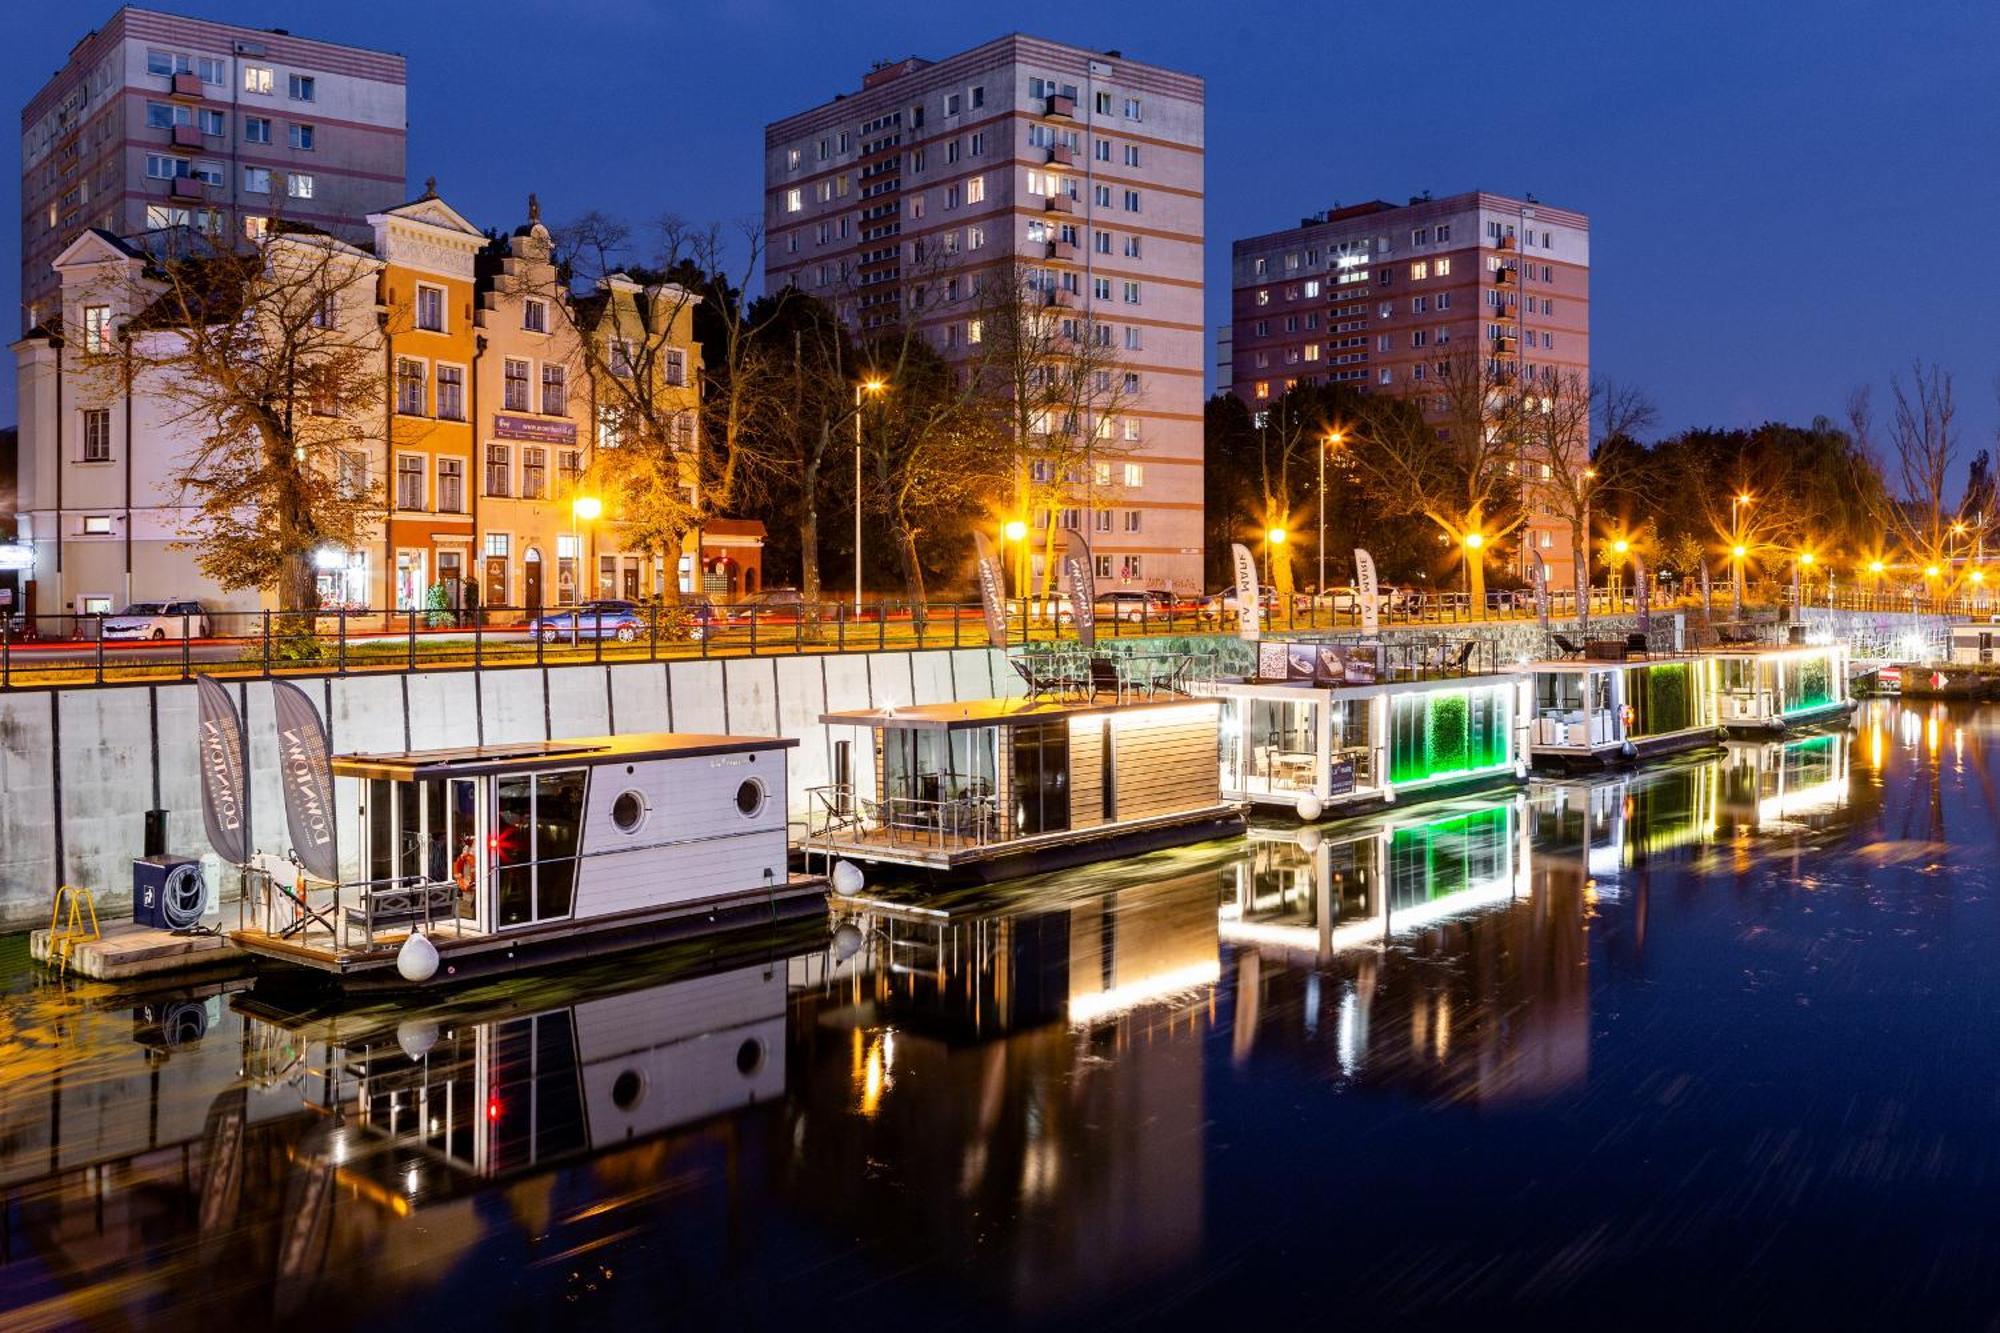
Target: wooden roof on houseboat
x,y
532,756
967,714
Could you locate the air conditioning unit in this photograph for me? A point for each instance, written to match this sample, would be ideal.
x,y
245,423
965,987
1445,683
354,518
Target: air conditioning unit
x,y
171,893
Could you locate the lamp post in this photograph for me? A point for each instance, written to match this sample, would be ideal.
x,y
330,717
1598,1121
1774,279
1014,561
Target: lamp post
x,y
1013,530
1736,503
1333,441
1272,537
1618,550
870,387
583,509
1736,554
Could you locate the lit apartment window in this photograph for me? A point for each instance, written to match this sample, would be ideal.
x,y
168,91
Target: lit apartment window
x,y
1419,271
555,390
1135,475
409,481
451,485
299,185
97,435
1312,351
255,226
1442,267
97,525
1312,288
1263,296
514,386
975,330
411,386
97,328
430,308
256,180
499,471
258,79
794,200
791,159
975,190
975,237
301,87
256,129
451,393
534,474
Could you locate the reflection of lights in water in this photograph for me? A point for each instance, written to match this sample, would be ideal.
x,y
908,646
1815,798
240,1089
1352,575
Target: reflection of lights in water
x,y
1442,1041
1875,747
1312,1005
410,1180
1909,727
1346,1035
1089,1008
339,1148
877,1074
1958,748
1931,735
1366,931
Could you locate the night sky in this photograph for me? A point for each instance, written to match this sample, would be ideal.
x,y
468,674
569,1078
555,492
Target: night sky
x,y
1786,199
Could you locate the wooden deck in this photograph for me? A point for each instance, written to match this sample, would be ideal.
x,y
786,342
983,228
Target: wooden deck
x,y
950,851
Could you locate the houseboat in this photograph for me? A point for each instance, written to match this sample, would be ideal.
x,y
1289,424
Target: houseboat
x,y
1316,895
1325,728
501,856
1592,711
991,788
1975,642
1777,687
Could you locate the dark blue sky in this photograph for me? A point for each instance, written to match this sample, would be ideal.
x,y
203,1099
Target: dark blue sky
x,y
1786,198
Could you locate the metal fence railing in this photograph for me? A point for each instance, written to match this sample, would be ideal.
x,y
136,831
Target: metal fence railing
x,y
103,647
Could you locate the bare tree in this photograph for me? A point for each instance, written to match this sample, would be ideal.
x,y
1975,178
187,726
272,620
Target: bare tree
x,y
1445,453
269,360
1552,419
1921,448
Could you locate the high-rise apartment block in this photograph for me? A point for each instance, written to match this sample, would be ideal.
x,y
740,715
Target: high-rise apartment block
x,y
172,125
1082,171
1377,295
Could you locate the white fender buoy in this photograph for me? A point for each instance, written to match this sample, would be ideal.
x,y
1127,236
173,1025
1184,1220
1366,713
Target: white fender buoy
x,y
1309,807
846,941
416,1036
417,960
847,877
1309,840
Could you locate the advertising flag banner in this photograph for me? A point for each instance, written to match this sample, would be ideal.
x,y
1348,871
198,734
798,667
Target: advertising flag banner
x,y
1081,586
307,769
1246,590
1643,588
1365,589
992,598
1707,602
1539,572
225,788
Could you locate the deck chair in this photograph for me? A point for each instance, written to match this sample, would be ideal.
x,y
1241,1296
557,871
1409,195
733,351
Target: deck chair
x,y
1038,674
1104,679
1565,647
1464,656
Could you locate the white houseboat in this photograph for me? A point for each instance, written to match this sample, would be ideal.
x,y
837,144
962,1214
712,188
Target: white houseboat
x,y
1326,728
504,855
1777,687
1590,710
1975,642
991,788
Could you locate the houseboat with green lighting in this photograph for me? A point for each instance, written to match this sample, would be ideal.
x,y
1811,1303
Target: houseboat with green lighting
x,y
991,788
1325,728
1592,711
1768,688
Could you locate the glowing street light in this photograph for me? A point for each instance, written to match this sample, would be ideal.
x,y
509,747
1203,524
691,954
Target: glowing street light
x,y
1015,530
1474,540
873,387
1739,551
583,509
1334,439
586,508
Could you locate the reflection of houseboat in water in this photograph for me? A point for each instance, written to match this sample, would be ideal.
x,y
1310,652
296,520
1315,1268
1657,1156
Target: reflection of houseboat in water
x,y
992,788
509,854
1333,727
1317,895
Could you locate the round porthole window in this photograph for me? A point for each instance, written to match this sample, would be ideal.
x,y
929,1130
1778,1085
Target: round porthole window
x,y
627,1089
628,812
750,798
749,1057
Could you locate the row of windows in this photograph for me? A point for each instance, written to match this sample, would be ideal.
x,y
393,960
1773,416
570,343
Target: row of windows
x,y
413,475
259,79
214,124
1132,475
256,180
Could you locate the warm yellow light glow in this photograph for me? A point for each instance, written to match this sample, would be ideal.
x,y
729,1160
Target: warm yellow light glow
x,y
1930,571
1805,557
1473,541
586,508
1336,438
1979,576
1744,498
1276,536
1958,529
1875,566
1621,546
1740,551
874,386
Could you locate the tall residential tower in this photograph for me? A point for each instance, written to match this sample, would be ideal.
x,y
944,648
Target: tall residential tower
x,y
1082,171
174,125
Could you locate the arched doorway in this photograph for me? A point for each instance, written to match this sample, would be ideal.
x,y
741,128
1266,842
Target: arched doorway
x,y
531,579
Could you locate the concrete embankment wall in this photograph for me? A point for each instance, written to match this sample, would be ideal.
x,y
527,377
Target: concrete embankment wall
x,y
80,767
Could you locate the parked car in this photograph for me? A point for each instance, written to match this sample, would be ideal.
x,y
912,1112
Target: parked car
x,y
1345,601
1135,604
784,605
608,619
1229,601
158,620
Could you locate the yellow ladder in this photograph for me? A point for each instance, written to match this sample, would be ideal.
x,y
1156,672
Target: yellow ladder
x,y
67,929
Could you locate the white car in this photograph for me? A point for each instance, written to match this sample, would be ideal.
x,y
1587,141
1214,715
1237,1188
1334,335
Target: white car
x,y
158,620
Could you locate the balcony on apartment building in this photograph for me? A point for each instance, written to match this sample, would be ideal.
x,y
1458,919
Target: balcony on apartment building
x,y
186,87
1503,276
1504,243
186,136
1063,252
1060,108
1062,156
1056,296
187,187
1061,203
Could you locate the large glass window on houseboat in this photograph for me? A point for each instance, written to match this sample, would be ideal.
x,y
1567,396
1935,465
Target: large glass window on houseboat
x,y
1279,736
1662,698
537,829
1041,778
921,764
1737,675
1440,732
1808,683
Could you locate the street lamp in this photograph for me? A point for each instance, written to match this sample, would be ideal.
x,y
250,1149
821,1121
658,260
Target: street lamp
x,y
1618,549
1272,537
1013,530
1333,441
871,387
584,509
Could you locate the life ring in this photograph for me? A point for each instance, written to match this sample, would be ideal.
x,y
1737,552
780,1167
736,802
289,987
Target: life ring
x,y
463,869
1625,717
